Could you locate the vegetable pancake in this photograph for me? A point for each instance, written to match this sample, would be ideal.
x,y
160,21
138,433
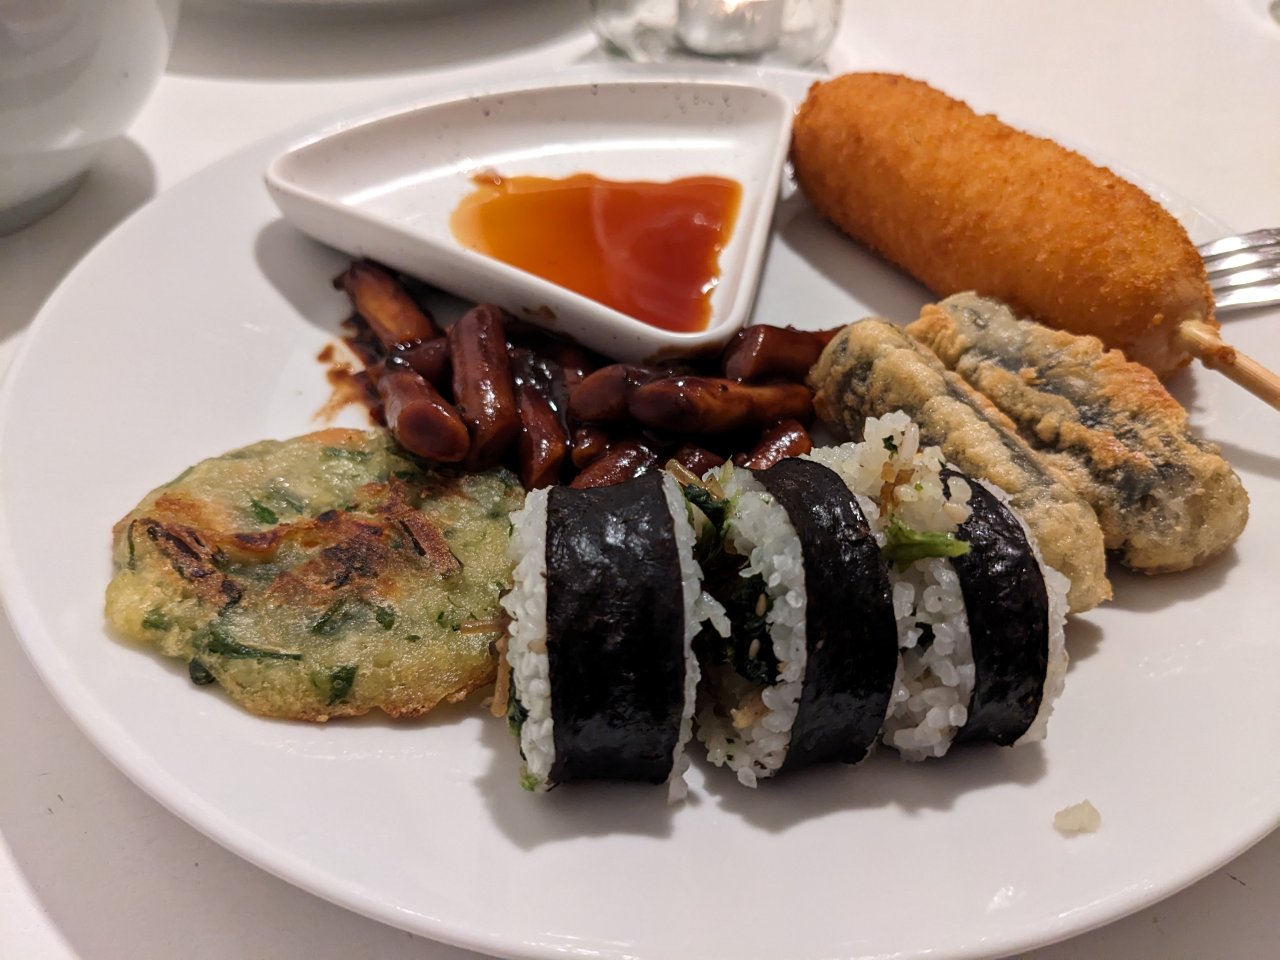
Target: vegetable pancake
x,y
322,576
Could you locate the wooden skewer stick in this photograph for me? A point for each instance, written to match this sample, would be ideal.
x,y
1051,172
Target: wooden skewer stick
x,y
1202,341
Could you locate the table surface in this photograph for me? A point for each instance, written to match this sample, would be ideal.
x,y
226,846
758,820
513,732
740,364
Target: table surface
x,y
92,868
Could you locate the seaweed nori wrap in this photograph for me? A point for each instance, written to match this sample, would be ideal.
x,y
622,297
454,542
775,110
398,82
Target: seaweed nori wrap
x,y
614,631
850,633
818,627
1008,609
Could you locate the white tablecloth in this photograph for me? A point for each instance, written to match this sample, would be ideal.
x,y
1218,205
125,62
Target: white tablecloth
x,y
92,868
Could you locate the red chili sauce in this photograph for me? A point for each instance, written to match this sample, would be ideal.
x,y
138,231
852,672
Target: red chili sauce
x,y
649,250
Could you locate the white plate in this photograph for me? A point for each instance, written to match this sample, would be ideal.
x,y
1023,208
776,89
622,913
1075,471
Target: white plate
x,y
385,186
194,328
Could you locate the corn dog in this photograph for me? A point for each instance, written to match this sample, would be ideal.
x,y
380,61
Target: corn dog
x,y
964,202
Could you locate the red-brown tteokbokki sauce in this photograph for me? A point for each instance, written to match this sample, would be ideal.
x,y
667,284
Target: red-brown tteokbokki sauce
x,y
649,250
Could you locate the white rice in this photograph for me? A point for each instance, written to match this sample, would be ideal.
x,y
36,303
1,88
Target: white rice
x,y
908,474
1082,817
759,530
526,605
698,606
935,681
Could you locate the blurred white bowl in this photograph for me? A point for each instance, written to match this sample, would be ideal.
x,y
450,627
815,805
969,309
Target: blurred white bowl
x,y
73,75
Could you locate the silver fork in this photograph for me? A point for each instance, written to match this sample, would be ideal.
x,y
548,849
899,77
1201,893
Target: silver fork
x,y
1244,270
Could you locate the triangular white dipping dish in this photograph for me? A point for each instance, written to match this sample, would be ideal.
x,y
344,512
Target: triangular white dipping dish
x,y
385,186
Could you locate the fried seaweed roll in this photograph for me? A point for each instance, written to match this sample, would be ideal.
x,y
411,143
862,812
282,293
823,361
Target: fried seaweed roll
x,y
873,368
606,602
1166,499
807,669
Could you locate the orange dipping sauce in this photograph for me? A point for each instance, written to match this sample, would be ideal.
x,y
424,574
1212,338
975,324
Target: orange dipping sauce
x,y
649,250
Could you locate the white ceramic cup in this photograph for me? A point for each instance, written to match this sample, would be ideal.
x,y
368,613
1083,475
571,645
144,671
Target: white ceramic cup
x,y
73,75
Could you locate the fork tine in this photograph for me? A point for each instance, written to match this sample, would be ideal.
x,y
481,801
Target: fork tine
x,y
1255,257
1244,297
1242,241
1244,270
1245,278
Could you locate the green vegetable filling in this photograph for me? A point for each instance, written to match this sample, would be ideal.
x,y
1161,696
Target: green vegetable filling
x,y
345,611
342,453
340,683
713,508
154,619
516,714
707,514
220,644
263,513
334,619
749,647
905,545
335,685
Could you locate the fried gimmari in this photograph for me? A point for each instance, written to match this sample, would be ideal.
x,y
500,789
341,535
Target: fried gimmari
x,y
1166,499
872,368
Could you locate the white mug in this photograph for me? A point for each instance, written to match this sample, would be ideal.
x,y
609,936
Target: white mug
x,y
73,75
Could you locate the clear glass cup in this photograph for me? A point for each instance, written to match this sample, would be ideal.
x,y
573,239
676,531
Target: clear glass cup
x,y
793,33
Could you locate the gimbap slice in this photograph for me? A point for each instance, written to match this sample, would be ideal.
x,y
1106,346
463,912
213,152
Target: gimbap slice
x,y
983,657
806,672
980,615
606,602
915,516
1016,606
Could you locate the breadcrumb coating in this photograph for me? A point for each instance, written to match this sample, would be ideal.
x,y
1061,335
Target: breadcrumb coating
x,y
964,202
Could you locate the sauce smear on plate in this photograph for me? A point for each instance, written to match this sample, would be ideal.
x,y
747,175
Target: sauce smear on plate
x,y
649,250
